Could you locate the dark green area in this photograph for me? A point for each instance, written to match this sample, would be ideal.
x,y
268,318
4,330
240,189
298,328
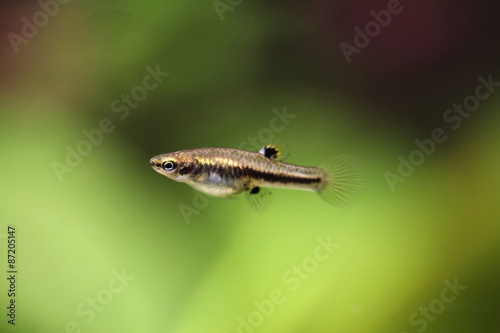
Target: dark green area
x,y
88,207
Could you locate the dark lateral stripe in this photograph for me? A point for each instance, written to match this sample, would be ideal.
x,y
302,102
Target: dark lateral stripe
x,y
237,172
279,178
208,169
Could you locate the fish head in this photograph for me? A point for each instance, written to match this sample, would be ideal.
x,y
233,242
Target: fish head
x,y
177,166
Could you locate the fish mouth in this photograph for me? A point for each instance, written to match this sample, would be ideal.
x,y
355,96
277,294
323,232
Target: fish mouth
x,y
154,162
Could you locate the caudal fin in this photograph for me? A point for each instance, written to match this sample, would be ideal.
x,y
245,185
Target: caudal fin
x,y
344,182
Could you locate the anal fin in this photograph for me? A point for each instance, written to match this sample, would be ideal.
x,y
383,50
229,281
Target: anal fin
x,y
259,198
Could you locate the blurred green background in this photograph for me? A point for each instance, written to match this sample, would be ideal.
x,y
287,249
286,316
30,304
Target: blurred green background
x,y
105,244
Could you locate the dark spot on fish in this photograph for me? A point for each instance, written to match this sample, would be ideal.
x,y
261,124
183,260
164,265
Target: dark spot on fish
x,y
255,190
270,152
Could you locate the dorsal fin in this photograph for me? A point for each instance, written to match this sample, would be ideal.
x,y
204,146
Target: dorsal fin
x,y
275,151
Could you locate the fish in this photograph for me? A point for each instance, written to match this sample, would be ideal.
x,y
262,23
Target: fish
x,y
226,172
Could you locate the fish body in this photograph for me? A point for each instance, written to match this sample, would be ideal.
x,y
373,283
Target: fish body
x,y
224,172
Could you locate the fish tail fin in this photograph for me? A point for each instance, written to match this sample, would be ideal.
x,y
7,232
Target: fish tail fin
x,y
344,180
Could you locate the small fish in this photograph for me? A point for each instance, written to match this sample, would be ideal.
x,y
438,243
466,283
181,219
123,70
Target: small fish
x,y
224,172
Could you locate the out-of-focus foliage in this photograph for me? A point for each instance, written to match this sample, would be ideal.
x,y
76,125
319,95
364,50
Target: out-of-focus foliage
x,y
187,263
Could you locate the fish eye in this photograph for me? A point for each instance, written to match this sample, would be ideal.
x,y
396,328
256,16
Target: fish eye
x,y
169,165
